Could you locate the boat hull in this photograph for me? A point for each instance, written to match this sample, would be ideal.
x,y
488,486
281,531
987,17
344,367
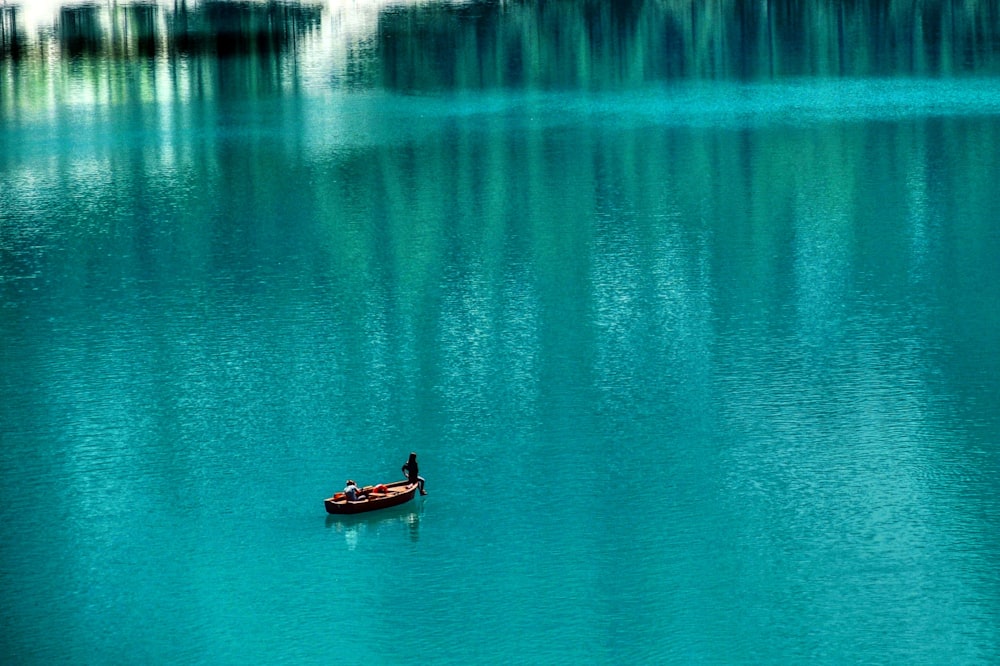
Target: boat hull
x,y
398,492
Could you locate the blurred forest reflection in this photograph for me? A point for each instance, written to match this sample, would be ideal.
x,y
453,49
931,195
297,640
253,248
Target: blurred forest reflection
x,y
174,77
433,46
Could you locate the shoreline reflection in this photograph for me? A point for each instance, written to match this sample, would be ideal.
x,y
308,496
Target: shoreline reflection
x,y
432,46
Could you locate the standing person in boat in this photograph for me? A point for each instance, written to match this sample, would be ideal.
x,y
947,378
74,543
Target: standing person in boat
x,y
352,491
412,472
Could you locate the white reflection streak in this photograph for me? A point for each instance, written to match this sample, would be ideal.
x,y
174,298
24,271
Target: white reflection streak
x,y
917,206
823,236
683,311
616,280
467,334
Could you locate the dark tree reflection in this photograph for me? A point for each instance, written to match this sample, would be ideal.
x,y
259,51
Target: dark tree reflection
x,y
138,30
240,28
598,44
80,32
555,44
11,40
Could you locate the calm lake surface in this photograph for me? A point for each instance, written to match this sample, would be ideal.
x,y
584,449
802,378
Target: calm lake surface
x,y
690,312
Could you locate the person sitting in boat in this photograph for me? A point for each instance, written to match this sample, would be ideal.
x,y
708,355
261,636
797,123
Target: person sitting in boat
x,y
353,493
412,472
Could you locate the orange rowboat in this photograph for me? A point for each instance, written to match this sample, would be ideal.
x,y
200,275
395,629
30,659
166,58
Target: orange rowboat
x,y
380,496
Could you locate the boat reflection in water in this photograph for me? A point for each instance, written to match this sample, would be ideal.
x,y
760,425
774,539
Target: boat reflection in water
x,y
356,527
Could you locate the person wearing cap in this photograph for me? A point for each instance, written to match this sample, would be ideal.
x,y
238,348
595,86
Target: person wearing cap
x,y
352,491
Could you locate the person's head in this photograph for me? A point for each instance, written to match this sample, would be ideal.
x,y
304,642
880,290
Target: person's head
x,y
413,456
350,482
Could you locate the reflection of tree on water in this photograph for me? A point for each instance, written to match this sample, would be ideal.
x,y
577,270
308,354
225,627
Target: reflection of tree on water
x,y
218,48
80,31
562,42
227,28
11,41
144,30
254,47
355,528
597,44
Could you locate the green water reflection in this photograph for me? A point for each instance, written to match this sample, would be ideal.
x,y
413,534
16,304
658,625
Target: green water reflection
x,y
131,51
721,278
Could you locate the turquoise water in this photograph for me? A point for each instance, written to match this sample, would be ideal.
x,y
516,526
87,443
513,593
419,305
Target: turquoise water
x,y
691,317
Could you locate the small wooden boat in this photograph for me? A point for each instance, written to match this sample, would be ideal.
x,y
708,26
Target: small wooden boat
x,y
380,496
